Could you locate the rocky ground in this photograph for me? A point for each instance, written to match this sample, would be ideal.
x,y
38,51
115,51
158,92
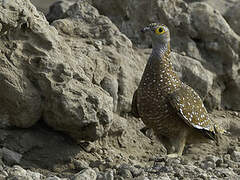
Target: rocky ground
x,y
67,81
42,153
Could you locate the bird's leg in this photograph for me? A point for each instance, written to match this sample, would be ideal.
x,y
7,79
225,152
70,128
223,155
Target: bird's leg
x,y
179,144
167,144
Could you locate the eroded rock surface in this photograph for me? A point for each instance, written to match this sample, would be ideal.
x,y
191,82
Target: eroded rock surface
x,y
41,78
108,53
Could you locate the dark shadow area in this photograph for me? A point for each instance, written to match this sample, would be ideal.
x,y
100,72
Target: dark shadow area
x,y
41,147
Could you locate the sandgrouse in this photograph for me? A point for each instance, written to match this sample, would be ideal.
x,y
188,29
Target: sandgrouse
x,y
171,108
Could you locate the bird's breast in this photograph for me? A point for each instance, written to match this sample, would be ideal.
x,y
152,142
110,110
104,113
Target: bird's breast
x,y
157,82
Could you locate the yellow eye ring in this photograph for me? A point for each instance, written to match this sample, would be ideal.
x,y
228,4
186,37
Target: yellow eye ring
x,y
160,30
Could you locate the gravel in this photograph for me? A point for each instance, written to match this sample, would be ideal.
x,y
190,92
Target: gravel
x,y
162,168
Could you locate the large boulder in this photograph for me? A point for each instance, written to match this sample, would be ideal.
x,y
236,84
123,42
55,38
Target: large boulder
x,y
221,47
111,62
42,77
20,101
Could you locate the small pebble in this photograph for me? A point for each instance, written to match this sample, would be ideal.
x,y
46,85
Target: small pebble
x,y
80,164
235,113
235,156
86,174
53,178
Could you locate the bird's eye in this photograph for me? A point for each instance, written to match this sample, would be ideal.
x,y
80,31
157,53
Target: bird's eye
x,y
160,30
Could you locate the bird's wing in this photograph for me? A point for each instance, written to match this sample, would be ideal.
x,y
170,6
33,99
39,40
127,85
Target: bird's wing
x,y
134,108
190,108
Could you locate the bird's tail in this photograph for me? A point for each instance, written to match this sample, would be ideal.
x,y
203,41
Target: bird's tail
x,y
210,135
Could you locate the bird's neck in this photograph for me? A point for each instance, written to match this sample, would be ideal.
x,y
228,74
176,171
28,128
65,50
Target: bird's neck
x,y
160,50
159,76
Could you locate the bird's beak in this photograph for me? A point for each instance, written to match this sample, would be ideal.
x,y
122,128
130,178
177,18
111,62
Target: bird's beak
x,y
147,28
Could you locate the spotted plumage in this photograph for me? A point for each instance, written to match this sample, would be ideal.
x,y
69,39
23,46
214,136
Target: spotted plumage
x,y
171,108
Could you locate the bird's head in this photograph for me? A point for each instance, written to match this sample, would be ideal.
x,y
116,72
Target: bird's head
x,y
159,33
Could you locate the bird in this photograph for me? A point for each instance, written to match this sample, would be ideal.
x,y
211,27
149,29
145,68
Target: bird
x,y
171,108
